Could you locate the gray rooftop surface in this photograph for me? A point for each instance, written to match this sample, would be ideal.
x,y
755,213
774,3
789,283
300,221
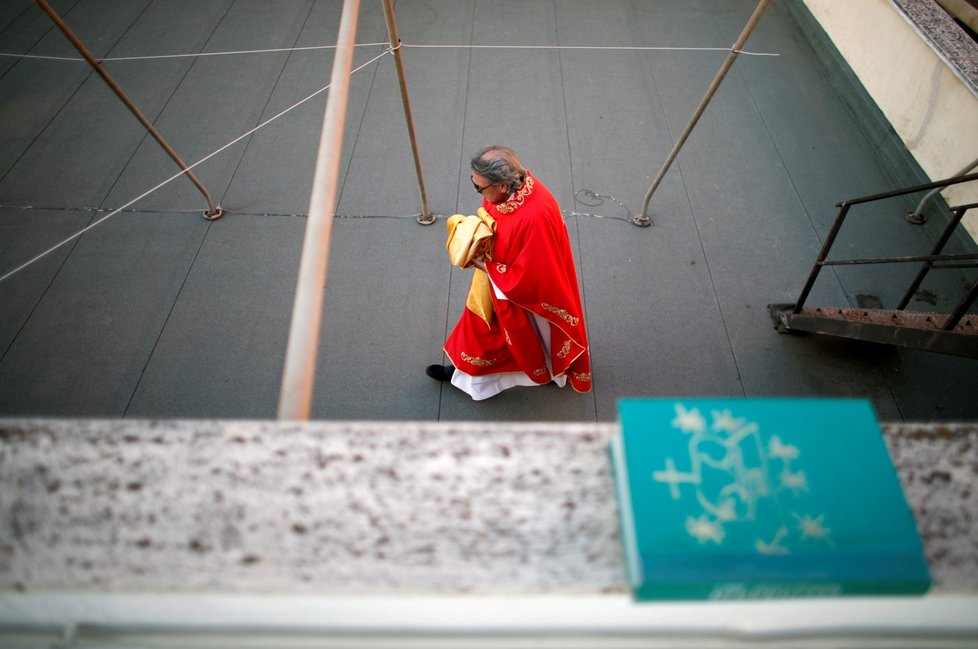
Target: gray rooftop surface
x,y
158,313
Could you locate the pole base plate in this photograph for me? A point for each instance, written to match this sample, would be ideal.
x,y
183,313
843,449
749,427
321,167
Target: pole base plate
x,y
641,220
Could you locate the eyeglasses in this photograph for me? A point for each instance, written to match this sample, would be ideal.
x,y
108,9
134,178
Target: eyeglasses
x,y
480,189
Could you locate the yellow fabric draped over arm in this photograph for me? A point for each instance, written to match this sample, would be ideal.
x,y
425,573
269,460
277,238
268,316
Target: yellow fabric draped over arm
x,y
469,239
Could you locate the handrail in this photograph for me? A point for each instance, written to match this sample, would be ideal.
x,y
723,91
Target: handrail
x,y
902,260
295,398
961,308
954,180
957,215
929,260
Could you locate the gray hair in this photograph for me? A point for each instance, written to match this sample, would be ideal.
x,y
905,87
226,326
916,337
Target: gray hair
x,y
500,164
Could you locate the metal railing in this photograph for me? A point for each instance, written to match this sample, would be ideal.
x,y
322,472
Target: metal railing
x,y
213,211
928,261
298,375
295,396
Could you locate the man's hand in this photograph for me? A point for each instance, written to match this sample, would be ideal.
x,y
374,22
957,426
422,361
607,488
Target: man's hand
x,y
478,263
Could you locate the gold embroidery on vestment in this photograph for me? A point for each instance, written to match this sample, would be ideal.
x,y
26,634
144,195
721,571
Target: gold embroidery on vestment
x,y
540,372
475,360
565,350
561,313
501,268
583,377
514,203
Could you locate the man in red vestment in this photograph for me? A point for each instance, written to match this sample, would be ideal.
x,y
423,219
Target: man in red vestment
x,y
536,333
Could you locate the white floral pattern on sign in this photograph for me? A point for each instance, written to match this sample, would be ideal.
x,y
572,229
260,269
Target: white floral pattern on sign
x,y
731,473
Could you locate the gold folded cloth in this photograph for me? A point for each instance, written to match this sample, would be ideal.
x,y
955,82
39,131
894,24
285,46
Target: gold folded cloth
x,y
470,238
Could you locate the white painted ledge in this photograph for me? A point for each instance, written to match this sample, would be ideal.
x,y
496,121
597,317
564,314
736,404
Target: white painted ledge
x,y
611,619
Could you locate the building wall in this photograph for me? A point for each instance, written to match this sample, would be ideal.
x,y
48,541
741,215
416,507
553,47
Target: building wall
x,y
930,104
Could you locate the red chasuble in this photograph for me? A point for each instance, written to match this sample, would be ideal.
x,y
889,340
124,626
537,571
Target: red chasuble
x,y
533,267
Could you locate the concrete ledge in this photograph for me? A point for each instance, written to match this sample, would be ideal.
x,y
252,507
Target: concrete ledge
x,y
326,507
368,508
946,38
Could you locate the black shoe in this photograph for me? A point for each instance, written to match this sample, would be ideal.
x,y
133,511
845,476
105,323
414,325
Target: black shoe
x,y
440,372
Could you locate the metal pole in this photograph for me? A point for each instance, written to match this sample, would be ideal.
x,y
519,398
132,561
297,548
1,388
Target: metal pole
x,y
295,398
917,216
212,211
822,255
936,250
961,309
642,219
426,217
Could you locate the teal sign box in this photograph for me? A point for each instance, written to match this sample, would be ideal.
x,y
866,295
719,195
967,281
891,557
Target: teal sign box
x,y
761,498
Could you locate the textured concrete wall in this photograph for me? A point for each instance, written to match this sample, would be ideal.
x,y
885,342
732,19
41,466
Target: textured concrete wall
x,y
179,506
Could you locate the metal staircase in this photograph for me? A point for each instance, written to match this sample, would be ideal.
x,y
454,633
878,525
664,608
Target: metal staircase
x,y
954,332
